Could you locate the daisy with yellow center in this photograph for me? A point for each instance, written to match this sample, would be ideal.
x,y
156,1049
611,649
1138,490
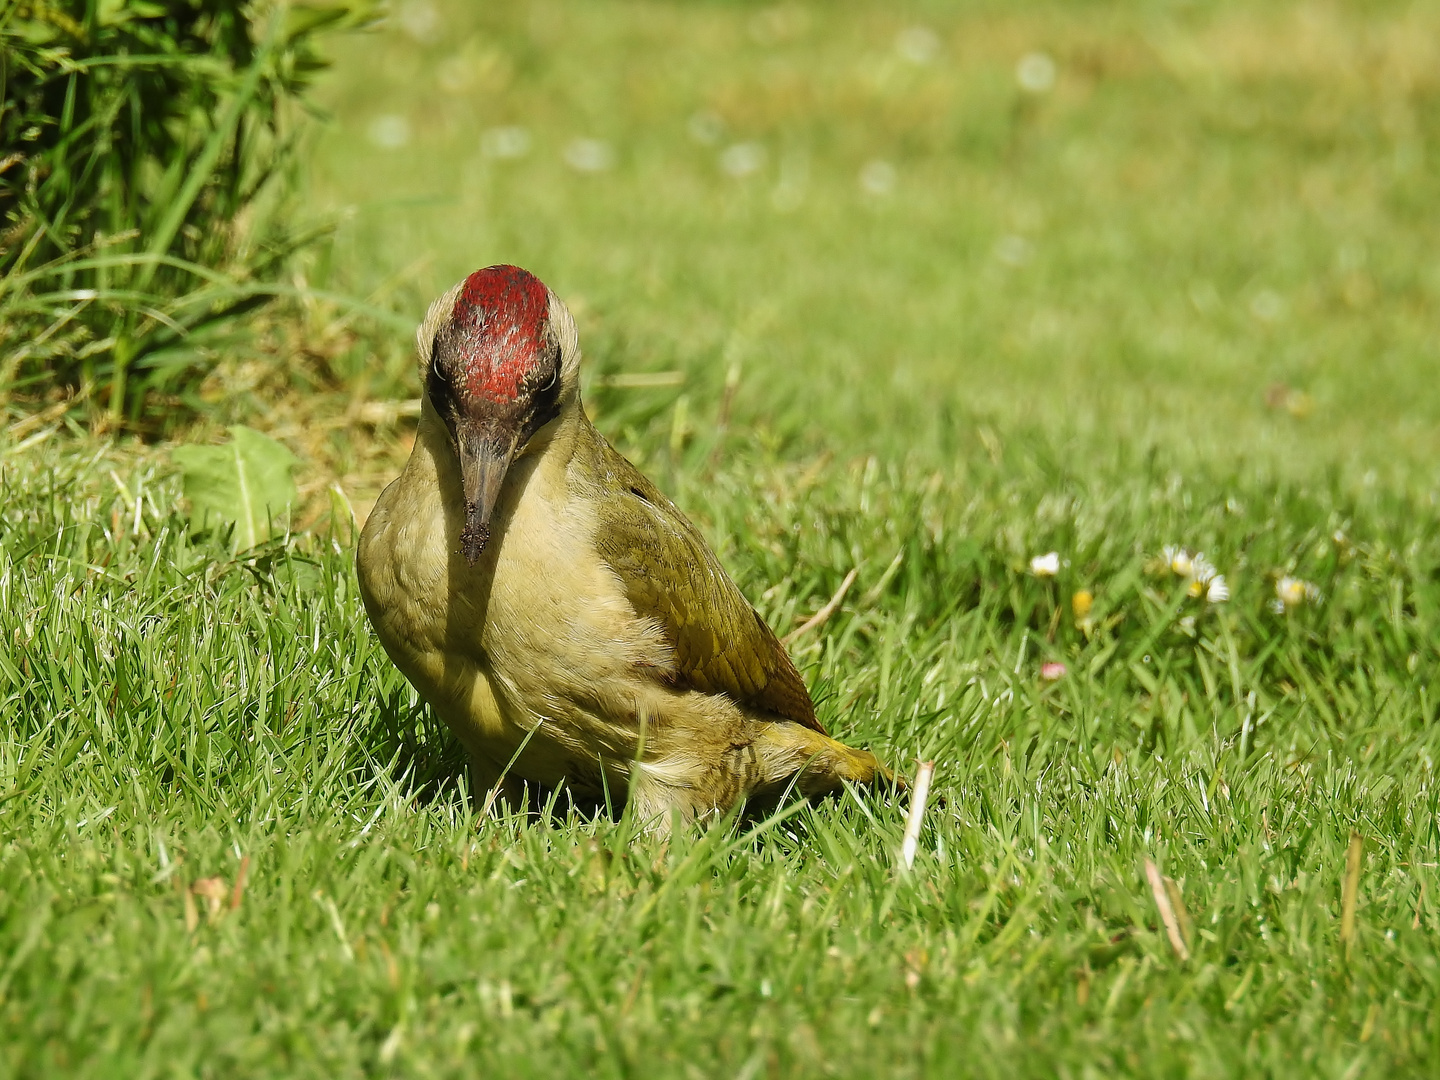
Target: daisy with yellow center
x,y
1047,565
1293,592
1202,579
1178,559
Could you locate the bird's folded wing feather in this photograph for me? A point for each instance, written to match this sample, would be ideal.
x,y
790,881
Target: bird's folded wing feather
x,y
721,644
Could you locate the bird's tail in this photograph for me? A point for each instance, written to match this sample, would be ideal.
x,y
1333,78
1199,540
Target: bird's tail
x,y
817,764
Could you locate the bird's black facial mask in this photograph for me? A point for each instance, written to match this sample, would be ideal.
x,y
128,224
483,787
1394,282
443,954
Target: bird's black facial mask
x,y
489,430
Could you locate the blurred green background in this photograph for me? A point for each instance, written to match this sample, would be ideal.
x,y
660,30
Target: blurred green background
x,y
1202,227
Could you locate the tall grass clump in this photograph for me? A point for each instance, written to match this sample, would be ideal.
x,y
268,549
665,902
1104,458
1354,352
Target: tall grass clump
x,y
146,154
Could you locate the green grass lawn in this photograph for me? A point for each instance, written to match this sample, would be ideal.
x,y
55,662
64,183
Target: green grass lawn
x,y
1183,291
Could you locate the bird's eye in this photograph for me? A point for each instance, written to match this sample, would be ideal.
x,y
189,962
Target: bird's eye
x,y
554,378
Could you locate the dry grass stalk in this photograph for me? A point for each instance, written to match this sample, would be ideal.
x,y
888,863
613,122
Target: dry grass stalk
x,y
1371,1015
917,810
1167,912
238,892
380,413
1350,890
192,916
1182,913
21,428
643,380
820,617
490,797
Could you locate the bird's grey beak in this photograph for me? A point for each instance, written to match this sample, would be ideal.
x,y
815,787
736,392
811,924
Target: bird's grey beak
x,y
485,454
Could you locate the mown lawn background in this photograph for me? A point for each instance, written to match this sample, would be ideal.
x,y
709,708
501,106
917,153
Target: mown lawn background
x,y
939,323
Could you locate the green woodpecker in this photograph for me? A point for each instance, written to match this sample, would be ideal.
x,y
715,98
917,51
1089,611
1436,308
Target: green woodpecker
x,y
544,596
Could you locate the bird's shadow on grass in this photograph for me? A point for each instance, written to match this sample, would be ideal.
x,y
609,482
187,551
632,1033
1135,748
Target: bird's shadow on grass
x,y
418,752
421,755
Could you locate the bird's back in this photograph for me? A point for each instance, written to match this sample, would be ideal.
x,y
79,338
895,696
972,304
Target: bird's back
x,y
670,574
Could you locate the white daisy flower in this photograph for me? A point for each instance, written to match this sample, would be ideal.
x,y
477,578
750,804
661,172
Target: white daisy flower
x,y
1202,572
1292,592
1047,565
1202,579
1035,72
389,131
742,159
918,44
589,155
1178,559
505,143
878,177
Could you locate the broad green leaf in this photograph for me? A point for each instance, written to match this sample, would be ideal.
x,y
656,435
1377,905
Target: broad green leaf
x,y
246,482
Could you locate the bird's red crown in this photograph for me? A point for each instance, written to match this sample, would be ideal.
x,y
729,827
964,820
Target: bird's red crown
x,y
501,315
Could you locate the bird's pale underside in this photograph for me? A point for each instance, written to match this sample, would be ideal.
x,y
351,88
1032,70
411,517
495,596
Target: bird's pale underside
x,y
539,591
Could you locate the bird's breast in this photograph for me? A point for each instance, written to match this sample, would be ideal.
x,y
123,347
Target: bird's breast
x,y
556,620
537,633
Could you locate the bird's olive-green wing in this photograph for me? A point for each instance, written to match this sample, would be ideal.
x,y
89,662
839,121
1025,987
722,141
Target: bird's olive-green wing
x,y
670,574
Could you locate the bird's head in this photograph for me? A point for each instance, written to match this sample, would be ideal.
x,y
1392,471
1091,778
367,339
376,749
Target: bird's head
x,y
499,361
